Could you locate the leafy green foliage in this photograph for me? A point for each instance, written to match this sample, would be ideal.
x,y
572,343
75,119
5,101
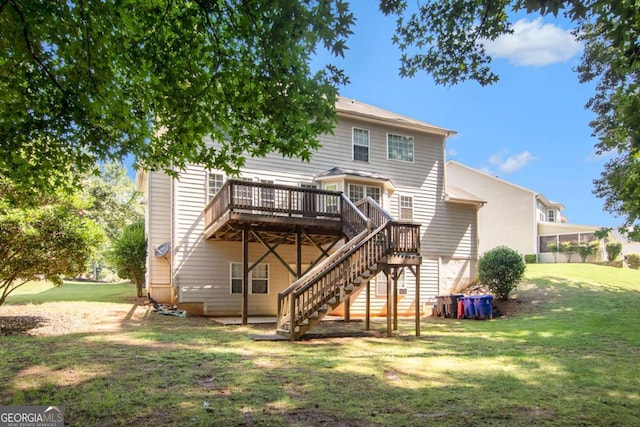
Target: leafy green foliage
x,y
613,250
587,249
568,248
129,254
619,187
446,39
43,241
602,233
112,203
91,81
501,269
530,258
554,248
633,261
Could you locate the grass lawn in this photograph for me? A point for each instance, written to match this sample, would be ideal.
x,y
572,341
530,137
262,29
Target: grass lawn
x,y
567,356
43,291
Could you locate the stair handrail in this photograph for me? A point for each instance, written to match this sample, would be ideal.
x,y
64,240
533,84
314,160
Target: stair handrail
x,y
372,210
348,253
353,220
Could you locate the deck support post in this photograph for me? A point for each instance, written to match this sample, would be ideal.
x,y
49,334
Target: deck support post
x,y
347,308
395,298
387,273
367,314
417,275
245,275
298,253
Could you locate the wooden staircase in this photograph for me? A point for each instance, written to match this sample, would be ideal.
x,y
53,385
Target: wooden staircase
x,y
373,237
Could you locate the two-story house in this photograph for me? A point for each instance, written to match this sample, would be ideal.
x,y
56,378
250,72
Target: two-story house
x,y
517,217
369,216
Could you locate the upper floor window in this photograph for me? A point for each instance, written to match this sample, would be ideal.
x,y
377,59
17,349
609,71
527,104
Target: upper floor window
x,y
551,215
214,183
406,207
360,145
399,147
258,279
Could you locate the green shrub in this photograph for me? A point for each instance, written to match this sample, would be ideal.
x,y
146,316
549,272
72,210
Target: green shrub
x,y
568,248
586,249
633,261
501,269
530,258
613,250
554,248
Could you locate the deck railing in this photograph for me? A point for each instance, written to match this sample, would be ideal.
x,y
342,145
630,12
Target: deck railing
x,y
274,200
354,221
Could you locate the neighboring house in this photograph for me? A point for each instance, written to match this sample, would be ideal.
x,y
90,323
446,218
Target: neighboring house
x,y
628,246
272,241
517,217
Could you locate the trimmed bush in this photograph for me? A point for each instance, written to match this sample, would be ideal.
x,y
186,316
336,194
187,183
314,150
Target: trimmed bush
x,y
613,250
530,258
587,249
633,261
501,269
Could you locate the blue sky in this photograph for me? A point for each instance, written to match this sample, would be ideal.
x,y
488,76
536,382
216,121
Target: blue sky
x,y
530,128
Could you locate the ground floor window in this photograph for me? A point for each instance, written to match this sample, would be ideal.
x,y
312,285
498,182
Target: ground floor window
x,y
258,279
381,283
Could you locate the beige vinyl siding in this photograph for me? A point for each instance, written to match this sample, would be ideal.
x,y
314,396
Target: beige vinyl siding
x,y
406,303
508,218
158,224
202,270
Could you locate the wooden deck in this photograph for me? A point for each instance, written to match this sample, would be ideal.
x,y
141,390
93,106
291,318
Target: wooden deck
x,y
279,213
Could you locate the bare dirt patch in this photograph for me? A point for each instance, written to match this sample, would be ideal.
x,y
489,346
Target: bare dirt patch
x,y
61,318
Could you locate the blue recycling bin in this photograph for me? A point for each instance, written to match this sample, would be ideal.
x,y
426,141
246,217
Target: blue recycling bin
x,y
469,308
483,306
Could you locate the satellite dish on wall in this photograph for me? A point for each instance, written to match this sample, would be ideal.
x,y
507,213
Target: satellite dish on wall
x,y
162,250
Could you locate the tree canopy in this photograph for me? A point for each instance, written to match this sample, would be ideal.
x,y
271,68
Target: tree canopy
x,y
100,79
447,38
129,254
43,241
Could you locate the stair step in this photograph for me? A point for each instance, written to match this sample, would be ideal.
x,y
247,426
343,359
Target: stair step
x,y
323,308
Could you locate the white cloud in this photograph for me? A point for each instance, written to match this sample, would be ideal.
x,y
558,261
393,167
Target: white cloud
x,y
511,163
534,43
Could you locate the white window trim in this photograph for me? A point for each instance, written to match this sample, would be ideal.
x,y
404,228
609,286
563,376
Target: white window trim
x,y
208,195
365,190
231,263
353,145
413,208
413,149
